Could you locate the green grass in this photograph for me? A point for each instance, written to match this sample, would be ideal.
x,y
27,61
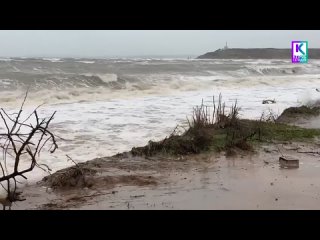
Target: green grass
x,y
221,138
219,142
284,132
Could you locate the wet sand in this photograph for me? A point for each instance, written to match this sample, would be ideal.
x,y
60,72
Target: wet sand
x,y
204,181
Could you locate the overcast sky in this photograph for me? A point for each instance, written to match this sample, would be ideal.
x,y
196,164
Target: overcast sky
x,y
122,43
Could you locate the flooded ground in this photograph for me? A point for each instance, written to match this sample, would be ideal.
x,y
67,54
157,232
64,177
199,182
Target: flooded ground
x,y
205,181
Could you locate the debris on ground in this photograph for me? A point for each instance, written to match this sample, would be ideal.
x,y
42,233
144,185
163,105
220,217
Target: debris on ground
x,y
288,162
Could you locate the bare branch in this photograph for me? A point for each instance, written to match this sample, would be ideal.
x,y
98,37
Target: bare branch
x,y
48,169
70,159
5,122
7,115
16,143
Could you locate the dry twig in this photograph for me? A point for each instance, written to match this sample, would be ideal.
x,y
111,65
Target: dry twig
x,y
23,139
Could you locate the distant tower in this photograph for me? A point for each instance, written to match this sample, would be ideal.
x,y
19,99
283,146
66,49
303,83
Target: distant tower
x,y
226,46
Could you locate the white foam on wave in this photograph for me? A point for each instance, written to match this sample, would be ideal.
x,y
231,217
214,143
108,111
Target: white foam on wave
x,y
146,85
53,59
6,59
108,77
5,81
87,62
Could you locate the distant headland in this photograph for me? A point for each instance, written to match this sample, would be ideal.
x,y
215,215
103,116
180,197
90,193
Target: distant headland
x,y
256,53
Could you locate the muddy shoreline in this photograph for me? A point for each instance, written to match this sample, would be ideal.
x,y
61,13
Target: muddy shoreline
x,y
203,181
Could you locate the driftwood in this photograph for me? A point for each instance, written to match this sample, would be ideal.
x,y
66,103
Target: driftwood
x,y
23,138
268,101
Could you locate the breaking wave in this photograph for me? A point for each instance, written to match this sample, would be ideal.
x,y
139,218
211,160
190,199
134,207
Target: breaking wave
x,y
72,80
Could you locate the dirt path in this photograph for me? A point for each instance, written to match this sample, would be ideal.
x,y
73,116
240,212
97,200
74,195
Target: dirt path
x,y
205,181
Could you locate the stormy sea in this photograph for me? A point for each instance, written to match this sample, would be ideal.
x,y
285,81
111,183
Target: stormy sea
x,y
107,106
